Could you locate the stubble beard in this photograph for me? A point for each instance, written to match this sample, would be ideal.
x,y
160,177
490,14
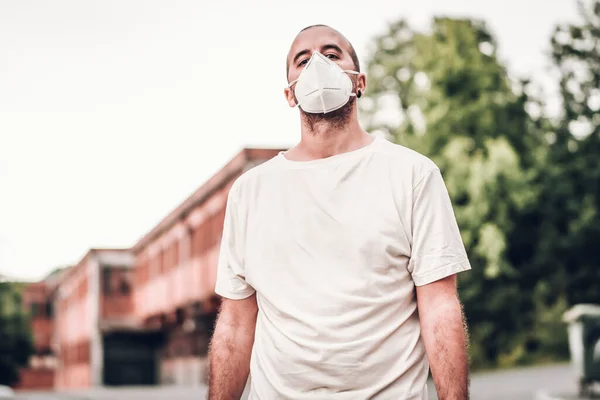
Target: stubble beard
x,y
335,120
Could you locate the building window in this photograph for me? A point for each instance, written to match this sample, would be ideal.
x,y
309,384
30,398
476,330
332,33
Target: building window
x,y
179,316
176,253
82,289
145,272
124,287
106,284
161,262
171,256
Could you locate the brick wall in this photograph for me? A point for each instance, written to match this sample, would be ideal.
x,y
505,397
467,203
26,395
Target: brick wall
x,y
74,371
73,321
42,330
35,379
116,298
39,374
38,305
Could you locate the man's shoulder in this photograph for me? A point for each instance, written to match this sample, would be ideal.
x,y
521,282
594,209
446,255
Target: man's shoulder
x,y
252,176
406,159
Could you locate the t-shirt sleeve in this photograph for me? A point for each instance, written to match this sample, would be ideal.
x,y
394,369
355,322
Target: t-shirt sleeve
x,y
231,273
437,247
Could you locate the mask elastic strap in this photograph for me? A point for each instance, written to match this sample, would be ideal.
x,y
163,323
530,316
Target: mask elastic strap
x,y
349,71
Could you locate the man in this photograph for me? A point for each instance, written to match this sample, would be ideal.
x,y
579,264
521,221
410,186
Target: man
x,y
338,258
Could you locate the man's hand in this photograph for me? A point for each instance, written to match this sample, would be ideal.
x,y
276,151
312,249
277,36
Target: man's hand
x,y
231,348
445,336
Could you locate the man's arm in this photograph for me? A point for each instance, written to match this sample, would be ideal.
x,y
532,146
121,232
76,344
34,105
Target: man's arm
x,y
445,336
231,348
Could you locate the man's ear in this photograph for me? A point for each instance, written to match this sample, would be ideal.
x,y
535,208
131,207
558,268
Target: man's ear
x,y
289,96
361,83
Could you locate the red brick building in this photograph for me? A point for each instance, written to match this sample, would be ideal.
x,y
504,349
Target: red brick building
x,y
175,273
37,301
144,315
93,303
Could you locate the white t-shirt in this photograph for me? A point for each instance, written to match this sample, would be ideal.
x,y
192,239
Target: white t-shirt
x,y
333,249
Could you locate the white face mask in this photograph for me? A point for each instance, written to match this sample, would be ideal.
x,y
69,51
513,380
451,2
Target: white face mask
x,y
322,86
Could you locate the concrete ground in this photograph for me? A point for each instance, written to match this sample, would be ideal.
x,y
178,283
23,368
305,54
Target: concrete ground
x,y
130,393
553,382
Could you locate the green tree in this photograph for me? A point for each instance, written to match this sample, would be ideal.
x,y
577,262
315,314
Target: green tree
x,y
445,94
571,196
15,337
566,260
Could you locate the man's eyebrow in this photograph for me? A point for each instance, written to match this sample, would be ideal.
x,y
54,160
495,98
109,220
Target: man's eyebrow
x,y
300,54
324,48
331,46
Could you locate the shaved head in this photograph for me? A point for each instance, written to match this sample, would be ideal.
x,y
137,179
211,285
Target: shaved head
x,y
334,46
345,41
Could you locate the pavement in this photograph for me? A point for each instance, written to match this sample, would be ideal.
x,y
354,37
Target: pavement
x,y
129,393
553,382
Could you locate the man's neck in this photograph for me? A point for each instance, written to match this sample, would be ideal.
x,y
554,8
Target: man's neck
x,y
324,141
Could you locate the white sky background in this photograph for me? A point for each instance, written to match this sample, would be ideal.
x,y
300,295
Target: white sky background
x,y
113,112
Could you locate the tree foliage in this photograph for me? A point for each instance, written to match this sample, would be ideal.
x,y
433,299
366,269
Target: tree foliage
x,y
16,344
445,94
571,199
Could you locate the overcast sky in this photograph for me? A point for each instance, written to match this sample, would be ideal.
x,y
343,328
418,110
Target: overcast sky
x,y
113,112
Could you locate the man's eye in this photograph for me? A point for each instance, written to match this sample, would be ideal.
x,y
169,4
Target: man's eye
x,y
301,63
331,56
